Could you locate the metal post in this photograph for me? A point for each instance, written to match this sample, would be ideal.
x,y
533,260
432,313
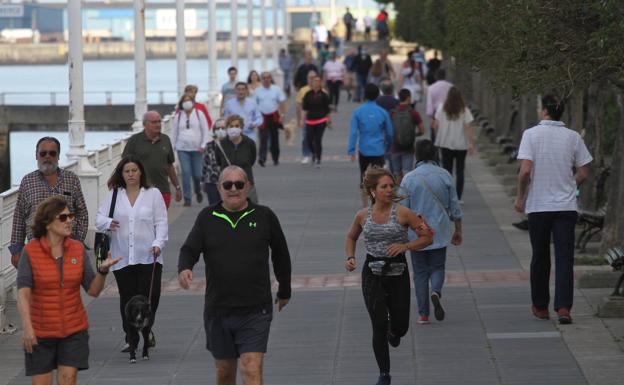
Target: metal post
x,y
140,82
250,36
275,47
180,46
263,58
213,91
286,25
234,32
332,14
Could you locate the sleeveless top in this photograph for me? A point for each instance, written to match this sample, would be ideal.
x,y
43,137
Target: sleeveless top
x,y
377,237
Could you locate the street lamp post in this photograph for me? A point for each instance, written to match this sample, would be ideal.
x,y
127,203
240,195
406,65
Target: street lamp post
x,y
234,32
140,82
286,25
275,48
213,93
250,36
180,46
263,58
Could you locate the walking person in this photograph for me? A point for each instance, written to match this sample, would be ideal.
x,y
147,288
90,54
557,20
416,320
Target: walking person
x,y
436,95
407,126
238,150
52,267
430,192
139,233
234,238
385,276
349,83
271,103
554,162
253,82
411,78
211,168
334,73
371,131
156,153
189,134
362,64
316,105
320,35
453,135
304,69
48,180
349,21
286,65
228,89
246,107
191,89
305,147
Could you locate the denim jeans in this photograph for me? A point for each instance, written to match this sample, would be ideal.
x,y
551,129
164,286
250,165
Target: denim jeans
x,y
561,225
359,87
401,164
428,265
305,148
212,193
191,164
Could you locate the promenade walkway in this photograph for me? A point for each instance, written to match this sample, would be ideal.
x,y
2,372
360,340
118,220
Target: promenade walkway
x,y
323,336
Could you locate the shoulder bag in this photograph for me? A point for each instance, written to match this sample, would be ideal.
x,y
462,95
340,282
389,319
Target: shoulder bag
x,y
101,244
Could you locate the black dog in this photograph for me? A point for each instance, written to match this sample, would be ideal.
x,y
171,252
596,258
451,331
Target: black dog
x,y
138,319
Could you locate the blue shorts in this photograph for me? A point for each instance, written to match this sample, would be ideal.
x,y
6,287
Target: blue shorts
x,y
232,333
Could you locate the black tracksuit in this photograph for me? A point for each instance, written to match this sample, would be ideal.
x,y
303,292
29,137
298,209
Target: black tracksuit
x,y
235,246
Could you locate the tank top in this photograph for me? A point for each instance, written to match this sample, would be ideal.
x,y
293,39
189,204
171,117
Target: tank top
x,y
377,237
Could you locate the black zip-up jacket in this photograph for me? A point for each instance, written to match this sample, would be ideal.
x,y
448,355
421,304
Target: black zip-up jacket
x,y
235,246
242,155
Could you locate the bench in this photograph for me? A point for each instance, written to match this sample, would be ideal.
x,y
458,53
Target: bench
x,y
592,222
615,258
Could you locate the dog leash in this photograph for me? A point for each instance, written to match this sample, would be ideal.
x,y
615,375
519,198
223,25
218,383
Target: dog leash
x,y
149,298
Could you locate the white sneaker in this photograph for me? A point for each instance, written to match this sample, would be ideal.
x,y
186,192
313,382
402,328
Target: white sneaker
x,y
305,160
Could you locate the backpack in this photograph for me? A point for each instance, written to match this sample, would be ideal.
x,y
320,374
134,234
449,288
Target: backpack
x,y
404,131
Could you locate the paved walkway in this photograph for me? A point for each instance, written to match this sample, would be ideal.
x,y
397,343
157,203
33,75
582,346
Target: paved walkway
x,y
324,337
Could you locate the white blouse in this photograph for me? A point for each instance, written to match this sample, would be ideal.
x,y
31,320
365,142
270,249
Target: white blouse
x,y
190,132
141,226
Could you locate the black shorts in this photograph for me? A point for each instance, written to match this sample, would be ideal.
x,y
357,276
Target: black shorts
x,y
49,353
230,334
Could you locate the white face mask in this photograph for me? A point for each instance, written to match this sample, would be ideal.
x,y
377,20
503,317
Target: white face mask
x,y
187,105
220,133
233,132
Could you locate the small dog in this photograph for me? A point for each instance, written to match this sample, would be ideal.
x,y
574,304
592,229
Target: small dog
x,y
138,318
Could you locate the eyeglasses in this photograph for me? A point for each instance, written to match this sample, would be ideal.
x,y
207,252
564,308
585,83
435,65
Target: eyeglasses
x,y
227,185
65,217
44,153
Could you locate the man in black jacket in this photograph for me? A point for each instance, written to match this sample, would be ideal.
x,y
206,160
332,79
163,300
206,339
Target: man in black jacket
x,y
235,237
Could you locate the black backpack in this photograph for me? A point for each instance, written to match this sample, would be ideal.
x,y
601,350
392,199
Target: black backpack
x,y
404,129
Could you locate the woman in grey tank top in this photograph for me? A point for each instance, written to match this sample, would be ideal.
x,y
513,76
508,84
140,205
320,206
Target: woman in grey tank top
x,y
385,278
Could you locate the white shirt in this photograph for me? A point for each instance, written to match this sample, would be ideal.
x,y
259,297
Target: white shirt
x,y
320,33
141,226
334,70
452,133
268,99
189,132
554,151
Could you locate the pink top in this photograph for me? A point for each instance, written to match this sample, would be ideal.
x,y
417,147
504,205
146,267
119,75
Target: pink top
x,y
436,95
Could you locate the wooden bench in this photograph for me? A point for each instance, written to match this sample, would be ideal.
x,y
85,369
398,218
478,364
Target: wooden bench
x,y
615,257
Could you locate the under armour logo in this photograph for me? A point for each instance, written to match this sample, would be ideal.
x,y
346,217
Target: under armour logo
x,y
252,224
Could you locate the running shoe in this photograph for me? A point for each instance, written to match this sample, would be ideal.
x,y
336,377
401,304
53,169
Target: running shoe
x,y
384,379
393,340
540,314
564,317
423,319
438,310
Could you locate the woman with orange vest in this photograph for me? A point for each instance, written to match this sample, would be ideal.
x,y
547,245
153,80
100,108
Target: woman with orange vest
x,y
51,270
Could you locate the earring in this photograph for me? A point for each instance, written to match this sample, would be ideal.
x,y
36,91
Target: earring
x,y
373,194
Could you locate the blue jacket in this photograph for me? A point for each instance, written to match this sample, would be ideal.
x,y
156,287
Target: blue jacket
x,y
421,201
372,125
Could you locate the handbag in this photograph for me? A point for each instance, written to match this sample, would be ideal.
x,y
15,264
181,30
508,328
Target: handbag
x,y
101,244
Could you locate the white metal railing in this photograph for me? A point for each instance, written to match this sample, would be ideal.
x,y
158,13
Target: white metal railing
x,y
108,97
104,160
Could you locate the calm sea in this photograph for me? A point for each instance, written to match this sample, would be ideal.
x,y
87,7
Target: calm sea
x,y
30,85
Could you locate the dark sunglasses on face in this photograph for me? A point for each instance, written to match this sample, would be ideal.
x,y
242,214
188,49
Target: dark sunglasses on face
x,y
65,217
227,185
44,153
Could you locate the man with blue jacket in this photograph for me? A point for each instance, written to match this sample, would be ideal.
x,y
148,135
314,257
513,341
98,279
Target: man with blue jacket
x,y
371,128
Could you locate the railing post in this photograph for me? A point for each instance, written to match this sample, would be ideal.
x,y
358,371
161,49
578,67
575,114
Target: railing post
x,y
109,98
53,98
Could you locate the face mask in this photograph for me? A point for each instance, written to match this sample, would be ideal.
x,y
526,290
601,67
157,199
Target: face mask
x,y
187,105
233,132
220,133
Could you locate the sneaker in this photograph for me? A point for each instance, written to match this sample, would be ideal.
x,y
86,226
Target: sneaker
x,y
522,225
384,379
438,310
125,348
305,160
461,202
564,317
200,197
393,340
318,164
423,319
152,339
187,204
541,314
261,163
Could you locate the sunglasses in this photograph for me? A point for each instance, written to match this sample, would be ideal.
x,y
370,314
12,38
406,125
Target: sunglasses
x,y
65,217
227,185
52,153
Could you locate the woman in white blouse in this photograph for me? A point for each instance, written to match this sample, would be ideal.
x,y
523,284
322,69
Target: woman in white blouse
x,y
139,233
189,135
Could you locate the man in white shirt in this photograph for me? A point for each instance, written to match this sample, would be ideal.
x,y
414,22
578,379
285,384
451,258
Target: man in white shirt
x,y
334,73
436,96
246,108
271,103
554,162
228,90
320,35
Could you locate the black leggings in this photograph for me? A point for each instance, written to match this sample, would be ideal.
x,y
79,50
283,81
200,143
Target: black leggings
x,y
334,91
387,300
133,280
447,162
314,136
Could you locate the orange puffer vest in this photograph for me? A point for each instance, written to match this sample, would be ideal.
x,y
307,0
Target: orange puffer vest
x,y
56,309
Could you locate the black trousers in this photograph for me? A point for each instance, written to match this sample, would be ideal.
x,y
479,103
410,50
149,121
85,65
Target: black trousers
x,y
133,280
334,91
270,132
387,300
314,136
459,158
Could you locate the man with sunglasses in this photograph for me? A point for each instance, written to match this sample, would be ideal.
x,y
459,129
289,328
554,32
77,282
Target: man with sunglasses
x,y
48,180
235,237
